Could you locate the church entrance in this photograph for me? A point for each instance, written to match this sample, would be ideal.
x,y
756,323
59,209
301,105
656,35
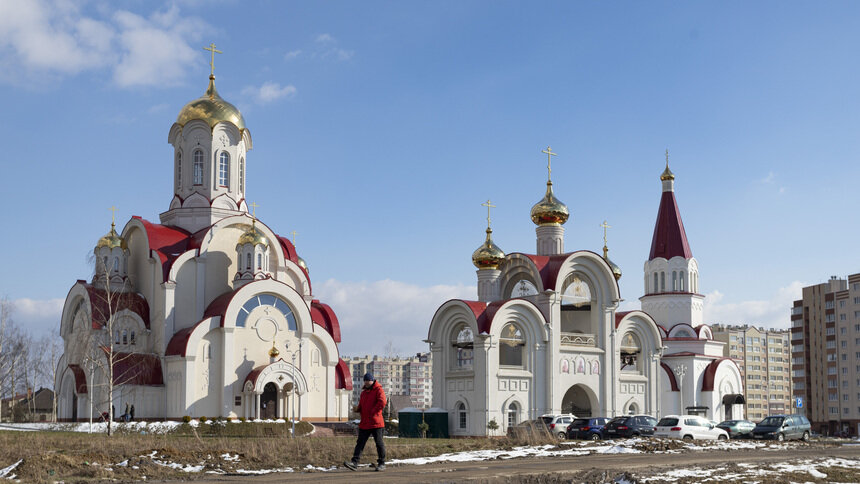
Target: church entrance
x,y
74,407
269,402
577,400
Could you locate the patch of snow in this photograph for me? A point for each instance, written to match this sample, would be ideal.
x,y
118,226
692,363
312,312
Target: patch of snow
x,y
228,457
4,472
319,469
815,473
263,471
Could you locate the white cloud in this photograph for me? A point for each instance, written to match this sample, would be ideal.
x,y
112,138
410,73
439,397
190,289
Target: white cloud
x,y
325,39
769,313
327,48
373,313
769,178
292,54
269,91
55,38
38,316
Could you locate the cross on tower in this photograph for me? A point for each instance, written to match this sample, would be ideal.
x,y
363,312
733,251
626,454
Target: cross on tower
x,y
254,210
214,51
667,157
293,233
605,226
489,206
549,155
112,215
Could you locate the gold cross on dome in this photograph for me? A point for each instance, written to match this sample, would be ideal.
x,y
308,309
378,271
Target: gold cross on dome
x,y
605,226
667,157
489,206
254,210
112,215
294,233
214,51
549,155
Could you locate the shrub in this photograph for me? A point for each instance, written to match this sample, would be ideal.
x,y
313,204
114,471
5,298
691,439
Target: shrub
x,y
303,428
186,419
202,419
492,426
242,419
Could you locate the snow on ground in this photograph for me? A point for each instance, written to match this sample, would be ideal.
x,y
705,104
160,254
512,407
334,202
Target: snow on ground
x,y
816,469
140,426
6,471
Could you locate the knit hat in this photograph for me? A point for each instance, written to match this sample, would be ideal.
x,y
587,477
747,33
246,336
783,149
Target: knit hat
x,y
368,377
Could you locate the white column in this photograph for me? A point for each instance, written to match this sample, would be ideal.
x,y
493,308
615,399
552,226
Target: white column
x,y
228,371
256,411
163,336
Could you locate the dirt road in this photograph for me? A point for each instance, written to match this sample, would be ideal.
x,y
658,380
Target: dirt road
x,y
594,468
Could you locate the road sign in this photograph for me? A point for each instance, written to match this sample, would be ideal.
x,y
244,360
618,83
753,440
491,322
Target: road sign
x,y
798,402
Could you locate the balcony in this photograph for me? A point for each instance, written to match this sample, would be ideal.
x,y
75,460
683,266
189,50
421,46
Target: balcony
x,y
577,339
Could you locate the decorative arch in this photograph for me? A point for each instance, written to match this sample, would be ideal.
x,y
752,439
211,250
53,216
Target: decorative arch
x,y
580,400
518,267
280,372
603,286
521,410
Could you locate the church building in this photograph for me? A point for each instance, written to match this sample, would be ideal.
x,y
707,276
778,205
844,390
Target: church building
x,y
545,335
207,312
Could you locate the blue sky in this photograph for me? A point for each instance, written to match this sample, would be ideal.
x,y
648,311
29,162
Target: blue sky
x,y
380,127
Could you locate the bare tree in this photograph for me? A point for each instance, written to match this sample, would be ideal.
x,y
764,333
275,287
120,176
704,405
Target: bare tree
x,y
12,348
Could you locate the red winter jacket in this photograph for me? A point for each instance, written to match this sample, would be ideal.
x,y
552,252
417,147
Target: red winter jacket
x,y
370,405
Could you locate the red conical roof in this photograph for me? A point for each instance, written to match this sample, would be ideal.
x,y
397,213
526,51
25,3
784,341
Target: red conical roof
x,y
669,239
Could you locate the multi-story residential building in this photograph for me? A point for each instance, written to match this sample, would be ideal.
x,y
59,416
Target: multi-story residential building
x,y
764,358
398,376
825,354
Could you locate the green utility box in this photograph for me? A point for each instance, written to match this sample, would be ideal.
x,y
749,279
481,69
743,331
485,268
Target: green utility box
x,y
410,418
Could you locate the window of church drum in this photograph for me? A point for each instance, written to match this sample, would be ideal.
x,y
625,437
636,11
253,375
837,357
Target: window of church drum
x,y
248,262
461,414
224,169
511,344
464,344
198,167
242,175
631,353
178,171
513,410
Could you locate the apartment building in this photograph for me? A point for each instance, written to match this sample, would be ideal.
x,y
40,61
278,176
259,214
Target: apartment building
x,y
398,376
825,351
764,358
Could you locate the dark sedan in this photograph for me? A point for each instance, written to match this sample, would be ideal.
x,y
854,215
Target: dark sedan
x,y
630,426
737,429
587,428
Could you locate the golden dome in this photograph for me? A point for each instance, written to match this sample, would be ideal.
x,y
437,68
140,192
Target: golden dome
x,y
112,239
616,271
489,255
303,264
550,210
212,109
273,353
667,174
253,237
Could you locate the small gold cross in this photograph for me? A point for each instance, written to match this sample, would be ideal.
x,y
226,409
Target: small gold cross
x,y
549,155
112,215
214,51
489,206
294,237
605,226
254,210
667,157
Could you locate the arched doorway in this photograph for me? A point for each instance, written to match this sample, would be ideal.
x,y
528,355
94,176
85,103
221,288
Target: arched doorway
x,y
578,401
269,402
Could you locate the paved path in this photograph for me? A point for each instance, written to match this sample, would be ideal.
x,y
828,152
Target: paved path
x,y
490,470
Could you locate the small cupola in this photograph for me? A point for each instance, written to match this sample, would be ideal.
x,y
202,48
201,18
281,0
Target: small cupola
x,y
616,271
549,214
252,251
111,254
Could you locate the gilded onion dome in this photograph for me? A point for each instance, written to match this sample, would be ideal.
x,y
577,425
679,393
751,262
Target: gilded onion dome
x,y
112,239
273,353
550,210
489,255
667,174
616,271
301,262
212,109
253,237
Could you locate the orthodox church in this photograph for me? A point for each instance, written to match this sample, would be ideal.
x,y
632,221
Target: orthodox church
x,y
545,335
208,312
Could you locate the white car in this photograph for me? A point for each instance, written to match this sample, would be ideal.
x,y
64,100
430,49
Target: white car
x,y
688,427
557,423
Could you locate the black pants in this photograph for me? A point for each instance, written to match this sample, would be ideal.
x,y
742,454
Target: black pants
x,y
363,435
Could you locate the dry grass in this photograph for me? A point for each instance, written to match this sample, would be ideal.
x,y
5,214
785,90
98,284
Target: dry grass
x,y
78,457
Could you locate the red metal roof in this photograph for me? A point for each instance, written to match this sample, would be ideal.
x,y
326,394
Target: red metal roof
x,y
669,238
323,315
672,381
119,301
178,345
711,373
168,242
342,376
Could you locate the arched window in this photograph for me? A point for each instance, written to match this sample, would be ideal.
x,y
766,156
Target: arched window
x,y
513,411
656,287
662,282
242,175
461,416
104,263
124,337
133,339
116,339
259,261
511,346
631,352
116,264
198,167
224,169
674,280
178,170
248,262
464,344
681,285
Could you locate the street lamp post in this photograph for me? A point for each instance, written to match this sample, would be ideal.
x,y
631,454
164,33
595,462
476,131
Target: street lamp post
x,y
295,388
680,371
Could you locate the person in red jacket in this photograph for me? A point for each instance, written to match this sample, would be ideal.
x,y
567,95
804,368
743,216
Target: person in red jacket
x,y
370,406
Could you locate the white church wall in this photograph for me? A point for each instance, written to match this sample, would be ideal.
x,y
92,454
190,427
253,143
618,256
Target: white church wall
x,y
185,313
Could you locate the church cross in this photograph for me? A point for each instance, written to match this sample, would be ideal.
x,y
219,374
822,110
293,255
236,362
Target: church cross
x,y
549,155
667,158
112,215
605,226
489,206
293,233
214,51
254,210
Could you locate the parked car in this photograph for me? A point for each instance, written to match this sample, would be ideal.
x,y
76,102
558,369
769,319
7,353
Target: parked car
x,y
688,427
557,424
587,428
737,429
529,429
629,426
783,427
